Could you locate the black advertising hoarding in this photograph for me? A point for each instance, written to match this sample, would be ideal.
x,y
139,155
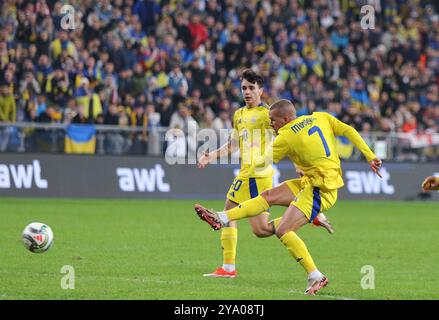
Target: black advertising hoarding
x,y
81,176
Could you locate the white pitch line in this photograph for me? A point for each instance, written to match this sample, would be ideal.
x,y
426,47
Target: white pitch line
x,y
325,295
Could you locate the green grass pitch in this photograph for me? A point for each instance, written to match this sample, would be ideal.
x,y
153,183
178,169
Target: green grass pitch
x,y
157,249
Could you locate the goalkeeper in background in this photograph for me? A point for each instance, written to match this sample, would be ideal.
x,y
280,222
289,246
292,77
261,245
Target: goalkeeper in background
x,y
430,183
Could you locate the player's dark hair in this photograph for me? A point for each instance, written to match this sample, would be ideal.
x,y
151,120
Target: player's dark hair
x,y
252,77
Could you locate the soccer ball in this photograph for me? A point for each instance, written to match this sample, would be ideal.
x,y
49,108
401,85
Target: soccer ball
x,y
37,237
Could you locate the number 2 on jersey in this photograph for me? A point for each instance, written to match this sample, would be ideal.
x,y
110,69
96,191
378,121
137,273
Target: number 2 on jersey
x,y
325,145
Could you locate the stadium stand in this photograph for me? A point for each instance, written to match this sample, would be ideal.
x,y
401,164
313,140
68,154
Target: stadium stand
x,y
146,65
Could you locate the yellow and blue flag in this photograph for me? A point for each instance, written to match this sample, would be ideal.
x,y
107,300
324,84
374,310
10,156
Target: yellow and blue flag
x,y
344,147
80,139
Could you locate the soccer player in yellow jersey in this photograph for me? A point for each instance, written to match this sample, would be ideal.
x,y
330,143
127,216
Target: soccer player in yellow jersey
x,y
252,134
310,142
430,183
251,124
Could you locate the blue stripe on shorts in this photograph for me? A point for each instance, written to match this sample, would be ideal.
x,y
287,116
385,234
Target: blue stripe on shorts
x,y
316,203
253,188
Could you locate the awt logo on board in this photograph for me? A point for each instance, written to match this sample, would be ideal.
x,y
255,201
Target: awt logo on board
x,y
367,182
22,176
142,180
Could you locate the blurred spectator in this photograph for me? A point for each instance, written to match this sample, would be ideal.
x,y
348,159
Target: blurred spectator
x,y
166,28
177,81
147,11
88,101
8,108
166,112
222,122
359,95
41,105
182,135
139,83
118,56
139,118
48,115
198,32
57,86
207,121
182,119
61,43
152,116
112,115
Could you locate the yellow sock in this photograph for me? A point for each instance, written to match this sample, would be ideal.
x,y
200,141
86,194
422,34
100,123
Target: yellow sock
x,y
229,241
298,250
249,208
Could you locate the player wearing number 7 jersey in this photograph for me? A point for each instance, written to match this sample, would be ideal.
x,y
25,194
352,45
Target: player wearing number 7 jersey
x,y
310,142
251,127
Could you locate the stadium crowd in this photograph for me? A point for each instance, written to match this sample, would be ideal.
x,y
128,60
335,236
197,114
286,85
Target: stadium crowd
x,y
166,63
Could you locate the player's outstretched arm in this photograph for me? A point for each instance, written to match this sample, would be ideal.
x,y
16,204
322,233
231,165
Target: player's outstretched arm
x,y
225,150
342,129
430,183
375,165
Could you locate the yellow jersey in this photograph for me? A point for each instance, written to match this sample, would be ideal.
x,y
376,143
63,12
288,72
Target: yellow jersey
x,y
251,127
310,143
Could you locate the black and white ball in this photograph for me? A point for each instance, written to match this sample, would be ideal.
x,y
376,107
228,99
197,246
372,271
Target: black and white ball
x,y
37,237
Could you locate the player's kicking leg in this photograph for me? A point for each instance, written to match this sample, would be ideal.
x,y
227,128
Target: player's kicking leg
x,y
282,195
210,216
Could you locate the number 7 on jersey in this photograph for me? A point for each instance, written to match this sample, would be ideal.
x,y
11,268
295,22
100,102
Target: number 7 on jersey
x,y
315,129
